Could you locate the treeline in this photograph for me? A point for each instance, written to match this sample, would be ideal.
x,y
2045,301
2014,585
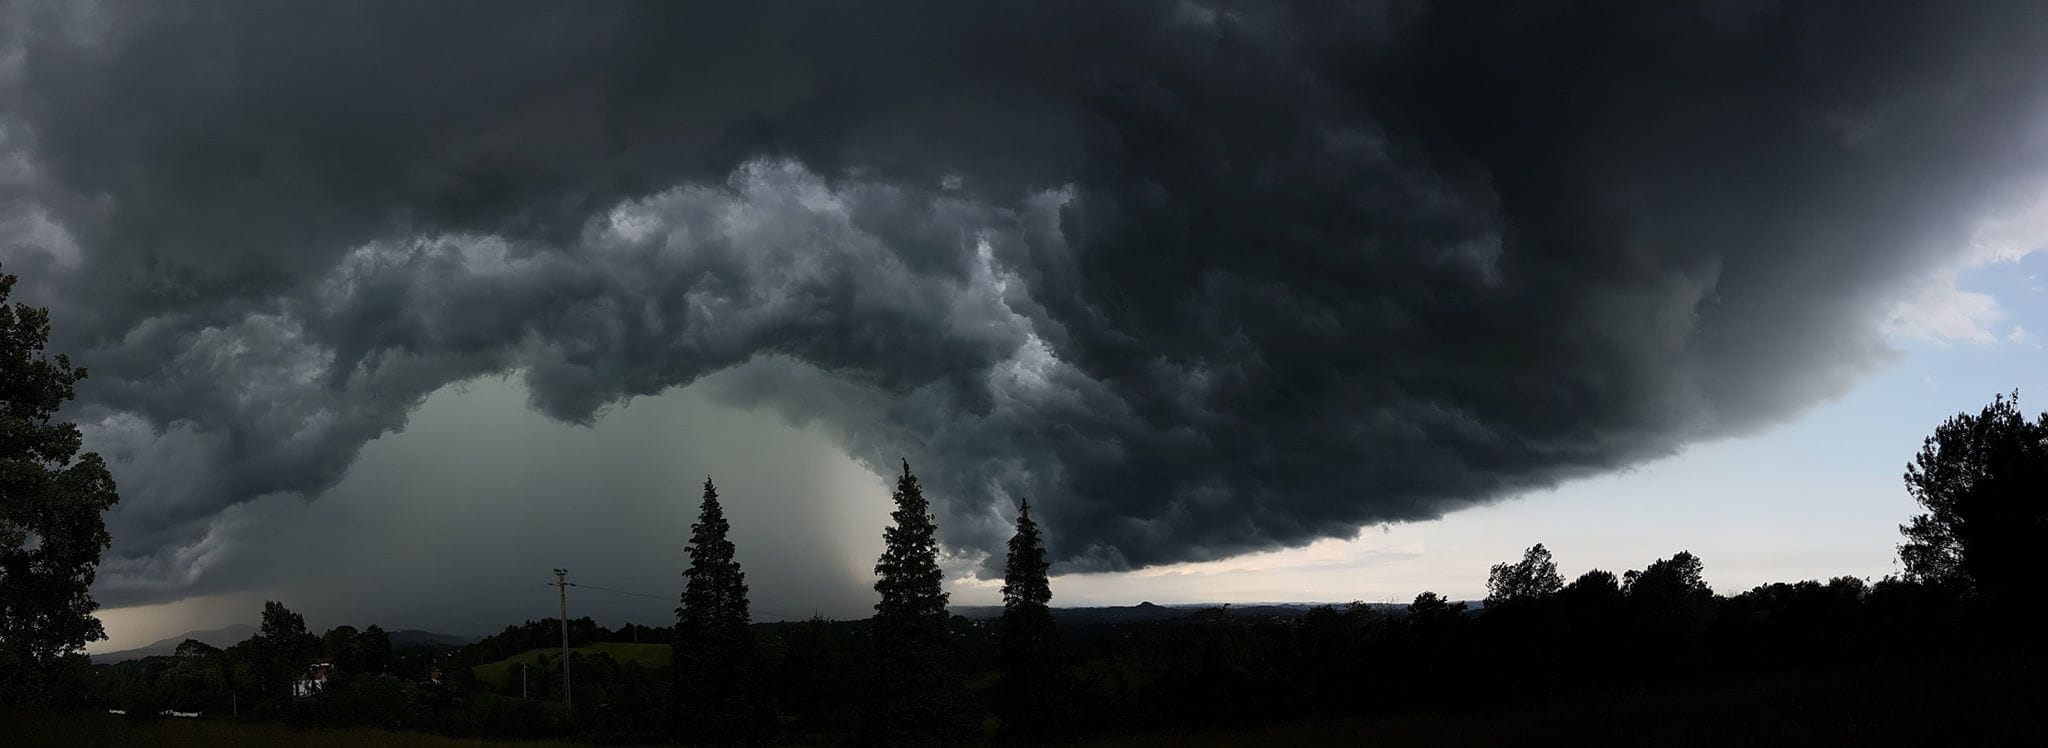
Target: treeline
x,y
367,682
1535,638
914,673
253,677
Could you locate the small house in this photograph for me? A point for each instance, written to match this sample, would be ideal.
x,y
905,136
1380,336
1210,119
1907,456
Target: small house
x,y
314,678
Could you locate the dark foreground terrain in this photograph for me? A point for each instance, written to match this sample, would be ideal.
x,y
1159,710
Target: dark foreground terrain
x,y
1982,702
1928,704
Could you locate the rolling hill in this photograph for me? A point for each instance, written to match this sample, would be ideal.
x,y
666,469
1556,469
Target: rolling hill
x,y
417,639
500,674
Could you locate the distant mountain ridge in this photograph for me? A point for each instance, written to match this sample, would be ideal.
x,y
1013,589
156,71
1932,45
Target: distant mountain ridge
x,y
224,636
227,636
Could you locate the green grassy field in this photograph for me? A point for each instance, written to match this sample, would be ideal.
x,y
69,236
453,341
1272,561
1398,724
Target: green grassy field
x,y
504,673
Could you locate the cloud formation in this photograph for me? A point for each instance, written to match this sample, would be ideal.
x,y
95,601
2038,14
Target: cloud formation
x,y
1200,279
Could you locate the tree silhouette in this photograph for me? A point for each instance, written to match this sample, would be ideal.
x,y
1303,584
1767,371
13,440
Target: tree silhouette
x,y
1432,610
1594,599
339,645
911,697
1671,606
1676,578
1984,481
1533,578
51,499
1027,683
718,683
1595,587
373,650
1589,621
812,678
283,649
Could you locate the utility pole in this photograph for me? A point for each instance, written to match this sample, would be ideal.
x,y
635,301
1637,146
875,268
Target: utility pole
x,y
562,585
522,680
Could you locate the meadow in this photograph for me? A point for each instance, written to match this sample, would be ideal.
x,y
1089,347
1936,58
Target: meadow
x,y
504,674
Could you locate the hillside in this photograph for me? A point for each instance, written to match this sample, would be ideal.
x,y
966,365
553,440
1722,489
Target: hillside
x,y
500,674
417,639
223,637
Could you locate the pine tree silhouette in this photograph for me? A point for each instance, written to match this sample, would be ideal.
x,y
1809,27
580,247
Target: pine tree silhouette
x,y
1028,681
911,698
719,689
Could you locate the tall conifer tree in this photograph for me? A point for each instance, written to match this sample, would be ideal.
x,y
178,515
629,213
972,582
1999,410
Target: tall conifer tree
x,y
1029,637
718,684
911,700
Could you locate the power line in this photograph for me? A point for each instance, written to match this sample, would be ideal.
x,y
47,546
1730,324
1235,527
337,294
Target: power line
x,y
622,592
666,598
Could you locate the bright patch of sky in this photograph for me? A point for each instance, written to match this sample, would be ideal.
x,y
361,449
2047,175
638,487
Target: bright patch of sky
x,y
1820,496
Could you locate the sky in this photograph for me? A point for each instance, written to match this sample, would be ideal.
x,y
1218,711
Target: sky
x,y
1813,499
390,308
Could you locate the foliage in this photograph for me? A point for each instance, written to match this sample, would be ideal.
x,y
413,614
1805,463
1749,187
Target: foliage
x,y
719,684
1215,670
1669,600
911,698
915,674
1431,609
282,650
819,665
371,652
1026,695
357,652
1533,578
51,501
1594,585
1026,588
502,675
1680,577
1983,480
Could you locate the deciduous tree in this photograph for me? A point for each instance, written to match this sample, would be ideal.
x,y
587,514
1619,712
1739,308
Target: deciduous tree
x,y
1533,578
1983,480
373,650
51,501
283,650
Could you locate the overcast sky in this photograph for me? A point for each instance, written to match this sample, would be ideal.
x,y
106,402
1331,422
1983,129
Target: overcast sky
x,y
391,307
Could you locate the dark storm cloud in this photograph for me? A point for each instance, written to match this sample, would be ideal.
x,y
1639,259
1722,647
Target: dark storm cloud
x,y
1199,278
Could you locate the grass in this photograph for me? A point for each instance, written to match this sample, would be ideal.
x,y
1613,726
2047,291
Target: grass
x,y
29,727
503,673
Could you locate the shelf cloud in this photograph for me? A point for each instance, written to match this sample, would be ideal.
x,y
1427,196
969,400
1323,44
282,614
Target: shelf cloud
x,y
1199,279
